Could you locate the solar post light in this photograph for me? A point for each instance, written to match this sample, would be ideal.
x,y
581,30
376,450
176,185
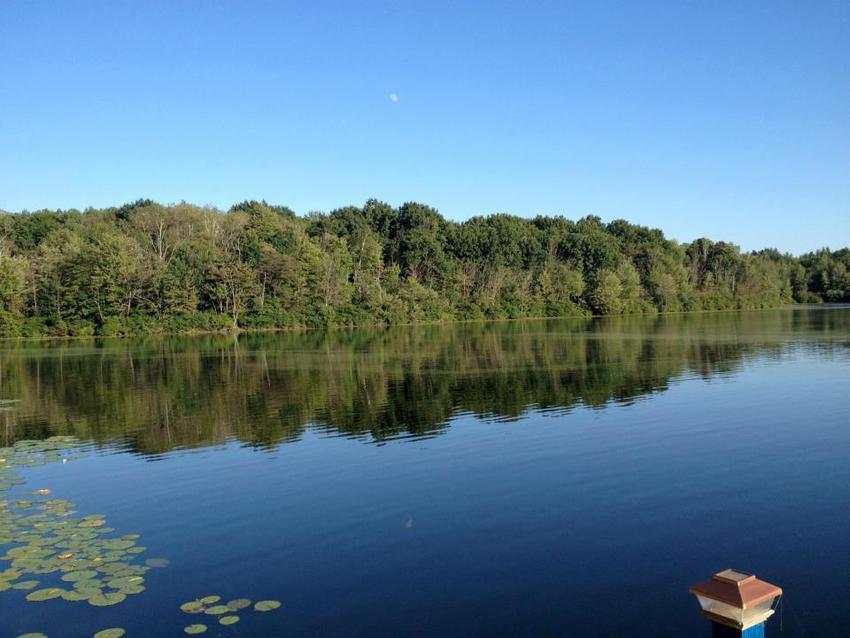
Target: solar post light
x,y
737,604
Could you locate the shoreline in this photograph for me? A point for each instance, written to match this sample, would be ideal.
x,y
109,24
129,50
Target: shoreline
x,y
237,331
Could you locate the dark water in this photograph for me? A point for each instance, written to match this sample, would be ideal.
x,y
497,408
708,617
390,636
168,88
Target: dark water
x,y
559,478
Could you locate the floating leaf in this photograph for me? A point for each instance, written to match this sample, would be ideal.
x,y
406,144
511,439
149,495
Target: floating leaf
x,y
217,610
125,581
114,632
194,629
157,562
85,574
267,605
192,607
42,492
228,620
209,600
76,595
239,603
26,584
45,594
87,592
36,635
104,600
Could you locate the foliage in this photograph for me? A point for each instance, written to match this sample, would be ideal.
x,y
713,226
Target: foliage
x,y
146,268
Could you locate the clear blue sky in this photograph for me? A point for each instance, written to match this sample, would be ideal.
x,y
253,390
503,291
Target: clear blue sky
x,y
722,119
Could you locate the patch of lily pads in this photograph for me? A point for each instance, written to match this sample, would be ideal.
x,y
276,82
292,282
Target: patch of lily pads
x,y
211,606
55,553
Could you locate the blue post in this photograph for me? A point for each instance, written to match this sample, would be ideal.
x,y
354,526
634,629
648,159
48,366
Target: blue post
x,y
722,631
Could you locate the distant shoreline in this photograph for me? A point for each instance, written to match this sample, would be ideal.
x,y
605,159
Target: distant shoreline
x,y
144,268
236,332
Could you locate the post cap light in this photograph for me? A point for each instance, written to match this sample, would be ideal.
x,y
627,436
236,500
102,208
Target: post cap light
x,y
735,599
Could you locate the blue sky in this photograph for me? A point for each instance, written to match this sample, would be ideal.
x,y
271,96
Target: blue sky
x,y
722,119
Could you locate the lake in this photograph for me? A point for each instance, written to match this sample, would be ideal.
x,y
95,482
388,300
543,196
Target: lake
x,y
537,478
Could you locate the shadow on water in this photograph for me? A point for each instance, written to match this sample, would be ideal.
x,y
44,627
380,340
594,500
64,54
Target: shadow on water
x,y
155,395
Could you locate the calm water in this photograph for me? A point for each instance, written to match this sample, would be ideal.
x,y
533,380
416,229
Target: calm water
x,y
559,478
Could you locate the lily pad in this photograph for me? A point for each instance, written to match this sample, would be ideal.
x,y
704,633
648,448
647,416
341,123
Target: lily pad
x,y
217,610
114,632
124,581
239,603
25,585
45,594
267,605
76,595
192,607
209,600
105,600
86,574
195,629
228,620
87,592
36,635
157,562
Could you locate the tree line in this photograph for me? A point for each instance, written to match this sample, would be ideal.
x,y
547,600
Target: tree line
x,y
145,268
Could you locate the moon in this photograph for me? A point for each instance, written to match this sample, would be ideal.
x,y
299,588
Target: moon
x,y
393,98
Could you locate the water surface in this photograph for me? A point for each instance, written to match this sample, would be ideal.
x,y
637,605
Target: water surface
x,y
567,477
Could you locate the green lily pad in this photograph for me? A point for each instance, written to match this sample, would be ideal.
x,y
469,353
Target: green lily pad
x,y
239,603
124,581
267,605
209,600
105,600
76,595
36,635
45,594
217,610
114,632
192,607
157,562
194,629
85,574
25,585
228,620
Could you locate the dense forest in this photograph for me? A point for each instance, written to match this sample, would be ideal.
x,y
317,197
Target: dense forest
x,y
144,268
